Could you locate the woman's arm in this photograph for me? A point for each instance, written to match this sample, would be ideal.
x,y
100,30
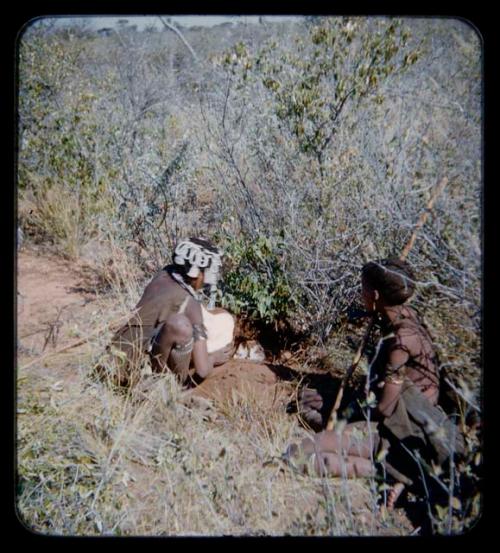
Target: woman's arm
x,y
393,382
201,360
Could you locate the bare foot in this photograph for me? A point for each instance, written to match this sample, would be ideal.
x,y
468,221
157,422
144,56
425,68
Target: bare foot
x,y
394,493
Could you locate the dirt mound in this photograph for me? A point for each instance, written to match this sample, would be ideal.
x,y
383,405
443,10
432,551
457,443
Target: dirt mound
x,y
245,381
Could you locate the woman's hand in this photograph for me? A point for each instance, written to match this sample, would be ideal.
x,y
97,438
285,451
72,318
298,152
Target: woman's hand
x,y
310,404
222,355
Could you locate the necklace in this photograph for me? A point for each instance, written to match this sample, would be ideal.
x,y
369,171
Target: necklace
x,y
189,289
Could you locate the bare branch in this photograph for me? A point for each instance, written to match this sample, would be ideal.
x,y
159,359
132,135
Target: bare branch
x,y
181,36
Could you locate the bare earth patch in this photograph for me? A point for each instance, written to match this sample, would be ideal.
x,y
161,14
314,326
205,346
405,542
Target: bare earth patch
x,y
51,302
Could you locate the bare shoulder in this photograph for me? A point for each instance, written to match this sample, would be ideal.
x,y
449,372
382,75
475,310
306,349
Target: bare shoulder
x,y
407,335
162,288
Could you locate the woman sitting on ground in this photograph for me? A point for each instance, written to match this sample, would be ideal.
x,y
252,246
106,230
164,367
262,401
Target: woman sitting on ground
x,y
172,325
407,390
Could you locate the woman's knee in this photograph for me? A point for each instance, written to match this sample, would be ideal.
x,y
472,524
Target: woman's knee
x,y
177,329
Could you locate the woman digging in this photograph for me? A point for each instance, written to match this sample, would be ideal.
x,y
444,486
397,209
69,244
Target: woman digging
x,y
171,325
405,425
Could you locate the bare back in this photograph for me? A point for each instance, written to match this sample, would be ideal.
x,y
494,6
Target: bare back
x,y
421,367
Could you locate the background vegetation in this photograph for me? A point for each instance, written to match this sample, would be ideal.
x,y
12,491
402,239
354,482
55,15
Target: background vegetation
x,y
304,149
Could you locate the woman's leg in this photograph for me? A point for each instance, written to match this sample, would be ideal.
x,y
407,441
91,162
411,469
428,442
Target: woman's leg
x,y
348,452
351,466
359,439
129,342
173,346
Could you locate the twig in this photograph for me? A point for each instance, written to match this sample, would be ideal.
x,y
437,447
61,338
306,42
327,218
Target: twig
x,y
332,419
423,218
53,330
462,395
107,326
180,35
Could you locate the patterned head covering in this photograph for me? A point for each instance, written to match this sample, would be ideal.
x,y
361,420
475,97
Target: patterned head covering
x,y
198,255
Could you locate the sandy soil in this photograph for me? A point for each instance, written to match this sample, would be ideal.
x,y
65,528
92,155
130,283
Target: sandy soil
x,y
246,380
49,293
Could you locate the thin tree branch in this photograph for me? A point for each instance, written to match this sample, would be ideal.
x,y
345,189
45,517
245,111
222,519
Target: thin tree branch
x,y
181,36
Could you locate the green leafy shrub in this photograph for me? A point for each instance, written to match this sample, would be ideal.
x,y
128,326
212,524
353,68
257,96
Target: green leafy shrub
x,y
255,281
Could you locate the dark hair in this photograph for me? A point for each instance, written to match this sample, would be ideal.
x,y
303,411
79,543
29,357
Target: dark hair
x,y
392,277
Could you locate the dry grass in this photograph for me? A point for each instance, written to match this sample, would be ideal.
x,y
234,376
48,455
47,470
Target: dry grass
x,y
155,461
92,461
114,464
